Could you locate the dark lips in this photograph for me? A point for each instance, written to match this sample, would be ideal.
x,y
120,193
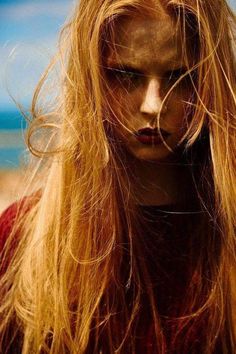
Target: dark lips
x,y
151,136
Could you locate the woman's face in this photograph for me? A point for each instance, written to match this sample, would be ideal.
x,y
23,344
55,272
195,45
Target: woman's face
x,y
146,62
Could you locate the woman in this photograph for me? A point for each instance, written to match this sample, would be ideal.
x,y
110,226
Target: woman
x,y
129,247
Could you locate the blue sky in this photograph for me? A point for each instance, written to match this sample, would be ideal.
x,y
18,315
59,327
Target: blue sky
x,y
28,33
28,37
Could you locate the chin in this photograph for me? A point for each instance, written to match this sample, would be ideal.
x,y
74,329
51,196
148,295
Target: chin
x,y
149,153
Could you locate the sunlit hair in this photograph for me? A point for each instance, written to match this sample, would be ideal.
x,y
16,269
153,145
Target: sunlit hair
x,y
77,279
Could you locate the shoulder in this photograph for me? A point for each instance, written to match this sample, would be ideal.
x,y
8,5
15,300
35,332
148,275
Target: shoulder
x,y
10,217
7,221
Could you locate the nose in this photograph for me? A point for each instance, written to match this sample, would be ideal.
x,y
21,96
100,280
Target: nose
x,y
152,100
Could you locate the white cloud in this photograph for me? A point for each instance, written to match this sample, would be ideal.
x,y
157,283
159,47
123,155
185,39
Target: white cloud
x,y
24,11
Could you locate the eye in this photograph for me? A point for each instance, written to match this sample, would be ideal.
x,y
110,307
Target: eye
x,y
126,77
175,75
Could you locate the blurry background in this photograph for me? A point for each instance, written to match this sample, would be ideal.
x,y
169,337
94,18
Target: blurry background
x,y
28,38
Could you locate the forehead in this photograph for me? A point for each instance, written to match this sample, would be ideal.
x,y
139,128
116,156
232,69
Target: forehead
x,y
146,41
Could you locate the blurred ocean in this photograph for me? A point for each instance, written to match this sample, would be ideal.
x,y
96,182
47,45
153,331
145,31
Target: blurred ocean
x,y
12,146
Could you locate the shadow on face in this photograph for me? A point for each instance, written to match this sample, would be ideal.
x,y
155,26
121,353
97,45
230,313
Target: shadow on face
x,y
149,87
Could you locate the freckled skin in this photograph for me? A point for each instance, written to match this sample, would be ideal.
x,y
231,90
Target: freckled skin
x,y
153,47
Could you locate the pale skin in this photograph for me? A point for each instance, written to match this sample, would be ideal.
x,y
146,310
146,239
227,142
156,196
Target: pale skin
x,y
146,62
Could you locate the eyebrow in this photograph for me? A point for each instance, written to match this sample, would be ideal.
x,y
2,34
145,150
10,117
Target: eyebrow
x,y
132,66
123,68
116,63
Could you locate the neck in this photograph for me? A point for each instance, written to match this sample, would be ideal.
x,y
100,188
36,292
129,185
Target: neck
x,y
160,183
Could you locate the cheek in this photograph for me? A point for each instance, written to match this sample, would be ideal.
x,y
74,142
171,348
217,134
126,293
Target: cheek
x,y
121,112
125,106
177,110
129,100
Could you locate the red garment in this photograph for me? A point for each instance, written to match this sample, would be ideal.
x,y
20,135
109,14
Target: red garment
x,y
8,223
9,220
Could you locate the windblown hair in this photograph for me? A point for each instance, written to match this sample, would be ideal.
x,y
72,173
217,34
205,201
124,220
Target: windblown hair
x,y
76,281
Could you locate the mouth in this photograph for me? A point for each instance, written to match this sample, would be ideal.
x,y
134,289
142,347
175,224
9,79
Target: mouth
x,y
151,136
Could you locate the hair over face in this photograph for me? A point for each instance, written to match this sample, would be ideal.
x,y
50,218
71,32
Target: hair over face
x,y
76,282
